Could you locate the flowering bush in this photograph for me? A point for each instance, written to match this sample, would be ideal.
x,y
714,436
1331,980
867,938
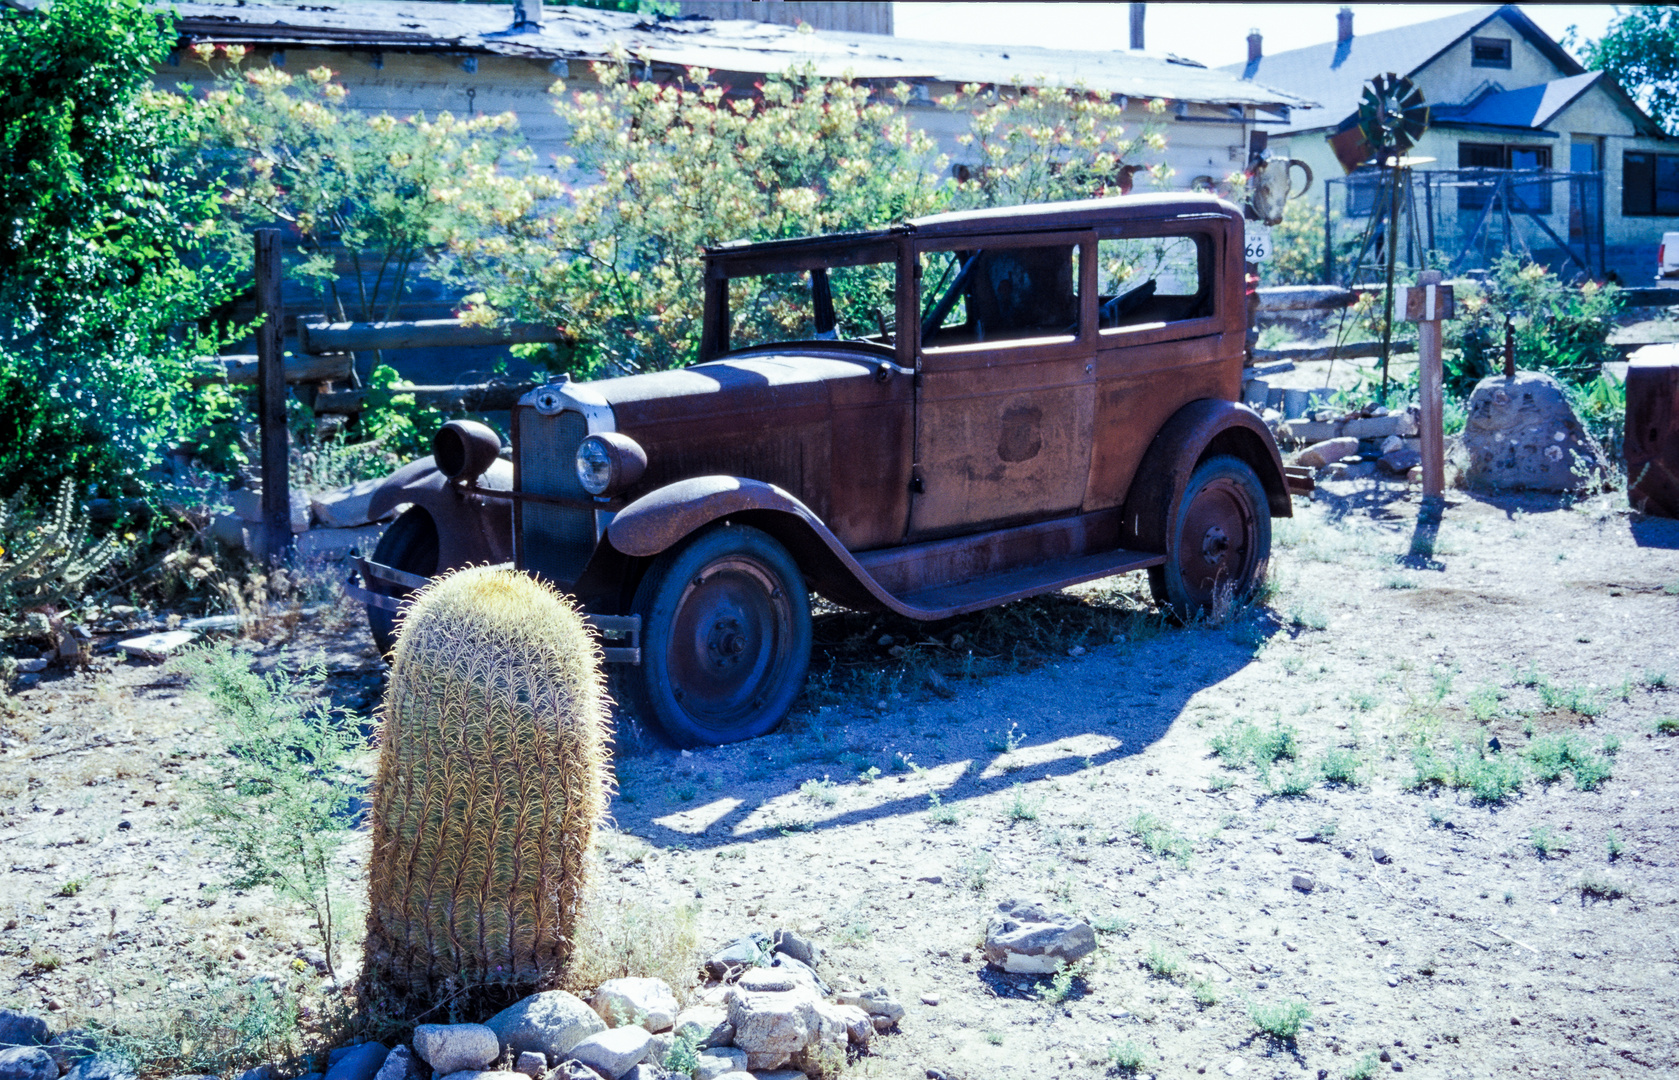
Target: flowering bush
x,y
370,191
668,169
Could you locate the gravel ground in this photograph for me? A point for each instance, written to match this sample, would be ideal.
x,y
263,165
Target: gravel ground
x,y
1457,949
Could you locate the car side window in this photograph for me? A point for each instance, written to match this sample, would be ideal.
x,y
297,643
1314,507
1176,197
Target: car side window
x,y
1149,280
1010,294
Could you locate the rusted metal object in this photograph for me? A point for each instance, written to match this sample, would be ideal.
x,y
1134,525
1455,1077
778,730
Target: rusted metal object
x,y
1652,433
989,415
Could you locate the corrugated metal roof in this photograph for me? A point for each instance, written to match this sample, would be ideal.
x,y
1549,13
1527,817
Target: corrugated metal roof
x,y
576,33
1334,73
1531,107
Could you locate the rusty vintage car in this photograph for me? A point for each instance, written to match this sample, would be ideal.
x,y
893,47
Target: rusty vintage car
x,y
934,418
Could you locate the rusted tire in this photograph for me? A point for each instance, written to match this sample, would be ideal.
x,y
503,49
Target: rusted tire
x,y
725,638
1220,544
409,544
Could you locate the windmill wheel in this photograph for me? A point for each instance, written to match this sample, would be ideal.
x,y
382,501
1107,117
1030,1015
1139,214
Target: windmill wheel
x,y
1392,114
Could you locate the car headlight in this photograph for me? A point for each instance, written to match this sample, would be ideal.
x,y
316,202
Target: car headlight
x,y
609,462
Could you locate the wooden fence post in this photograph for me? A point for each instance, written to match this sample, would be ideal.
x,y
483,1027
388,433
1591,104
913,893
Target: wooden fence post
x,y
271,402
1428,303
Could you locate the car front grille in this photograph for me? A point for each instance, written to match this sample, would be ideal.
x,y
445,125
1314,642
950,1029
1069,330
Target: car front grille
x,y
554,541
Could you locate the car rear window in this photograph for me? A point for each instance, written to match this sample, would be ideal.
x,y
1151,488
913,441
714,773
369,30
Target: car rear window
x,y
1148,280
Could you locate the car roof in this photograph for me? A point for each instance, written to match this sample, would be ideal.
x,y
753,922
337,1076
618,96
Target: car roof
x,y
1082,213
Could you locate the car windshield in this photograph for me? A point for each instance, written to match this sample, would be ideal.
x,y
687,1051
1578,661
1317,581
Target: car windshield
x,y
844,303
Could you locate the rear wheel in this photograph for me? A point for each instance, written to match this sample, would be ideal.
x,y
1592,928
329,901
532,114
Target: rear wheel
x,y
725,638
409,544
1218,547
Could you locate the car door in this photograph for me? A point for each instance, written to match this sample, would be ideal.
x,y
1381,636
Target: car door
x,y
1169,331
1005,391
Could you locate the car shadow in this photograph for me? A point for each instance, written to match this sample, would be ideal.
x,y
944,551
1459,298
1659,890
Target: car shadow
x,y
1649,531
1068,717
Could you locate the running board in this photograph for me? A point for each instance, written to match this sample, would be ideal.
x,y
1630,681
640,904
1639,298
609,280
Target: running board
x,y
624,628
959,598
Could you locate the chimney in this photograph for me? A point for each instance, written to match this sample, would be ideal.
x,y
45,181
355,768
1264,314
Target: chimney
x,y
527,14
1344,26
1255,46
1137,25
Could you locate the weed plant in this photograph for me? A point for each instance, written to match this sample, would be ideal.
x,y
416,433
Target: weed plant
x,y
1161,962
1125,1057
629,938
279,801
1598,887
1281,1021
1023,807
219,1026
1340,766
939,813
1160,839
1245,743
1554,755
1491,778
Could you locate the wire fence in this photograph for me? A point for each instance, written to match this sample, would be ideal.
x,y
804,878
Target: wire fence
x,y
1458,220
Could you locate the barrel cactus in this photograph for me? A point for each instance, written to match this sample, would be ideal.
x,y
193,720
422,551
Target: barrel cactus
x,y
492,764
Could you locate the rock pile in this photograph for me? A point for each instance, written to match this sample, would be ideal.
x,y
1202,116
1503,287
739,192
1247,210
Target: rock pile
x,y
1355,444
765,1015
327,524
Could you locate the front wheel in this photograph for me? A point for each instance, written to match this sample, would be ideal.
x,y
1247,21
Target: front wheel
x,y
409,544
1218,547
725,636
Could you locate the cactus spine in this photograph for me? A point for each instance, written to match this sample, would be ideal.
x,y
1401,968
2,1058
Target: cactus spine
x,y
492,763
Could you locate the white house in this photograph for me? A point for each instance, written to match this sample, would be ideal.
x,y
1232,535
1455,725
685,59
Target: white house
x,y
1502,95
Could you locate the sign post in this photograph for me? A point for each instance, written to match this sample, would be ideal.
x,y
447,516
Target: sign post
x,y
1428,303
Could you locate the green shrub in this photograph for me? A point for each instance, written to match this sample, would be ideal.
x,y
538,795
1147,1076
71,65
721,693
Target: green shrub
x,y
1160,839
110,255
1553,755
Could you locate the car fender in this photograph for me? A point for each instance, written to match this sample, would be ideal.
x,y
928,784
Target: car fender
x,y
471,527
661,519
1195,432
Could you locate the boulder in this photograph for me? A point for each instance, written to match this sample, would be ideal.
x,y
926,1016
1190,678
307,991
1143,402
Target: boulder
x,y
69,1047
359,1063
532,1064
735,957
27,1063
1327,452
878,1003
22,1030
773,1026
720,1061
1522,434
705,1025
101,1068
569,1070
781,1074
451,1048
551,1022
1400,462
484,1074
859,1026
346,507
648,1003
613,1052
402,1064
802,974
1024,936
644,1071
247,503
802,949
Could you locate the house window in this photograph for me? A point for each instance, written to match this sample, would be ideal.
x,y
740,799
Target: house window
x,y
1526,193
1649,184
1489,52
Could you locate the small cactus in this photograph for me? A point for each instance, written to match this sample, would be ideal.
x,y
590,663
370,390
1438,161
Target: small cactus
x,y
492,776
46,563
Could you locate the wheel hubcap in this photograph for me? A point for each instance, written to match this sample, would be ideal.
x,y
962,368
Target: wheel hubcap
x,y
1220,535
727,639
